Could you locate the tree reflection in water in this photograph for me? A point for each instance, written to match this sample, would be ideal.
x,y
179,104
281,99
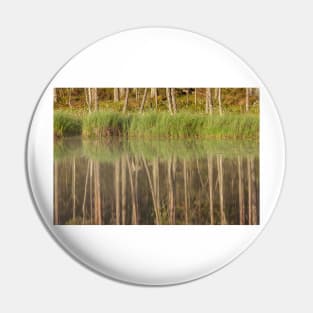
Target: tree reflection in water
x,y
156,182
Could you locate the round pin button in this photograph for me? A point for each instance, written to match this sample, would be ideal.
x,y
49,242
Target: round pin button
x,y
155,156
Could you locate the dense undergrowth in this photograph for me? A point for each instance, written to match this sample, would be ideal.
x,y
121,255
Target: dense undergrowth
x,y
152,124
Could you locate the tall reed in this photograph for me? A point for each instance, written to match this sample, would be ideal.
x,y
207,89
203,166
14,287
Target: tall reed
x,y
67,124
152,124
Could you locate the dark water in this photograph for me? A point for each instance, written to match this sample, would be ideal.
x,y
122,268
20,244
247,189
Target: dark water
x,y
156,182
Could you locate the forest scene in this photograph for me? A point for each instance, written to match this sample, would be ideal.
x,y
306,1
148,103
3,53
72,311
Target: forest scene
x,y
156,156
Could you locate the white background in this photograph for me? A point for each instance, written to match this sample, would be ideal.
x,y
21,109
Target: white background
x,y
274,38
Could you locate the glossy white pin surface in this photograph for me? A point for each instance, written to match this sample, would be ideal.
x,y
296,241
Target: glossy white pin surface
x,y
152,254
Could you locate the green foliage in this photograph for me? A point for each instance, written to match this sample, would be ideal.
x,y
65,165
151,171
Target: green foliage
x,y
66,124
151,124
233,99
105,124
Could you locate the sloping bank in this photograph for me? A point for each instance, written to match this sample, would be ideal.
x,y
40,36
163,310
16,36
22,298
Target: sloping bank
x,y
156,124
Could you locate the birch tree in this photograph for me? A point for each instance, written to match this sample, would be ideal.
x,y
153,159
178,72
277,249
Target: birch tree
x,y
56,194
143,99
116,95
117,191
208,102
88,98
154,94
219,160
210,183
123,188
247,99
240,192
122,92
97,193
173,98
95,99
69,94
169,101
220,101
126,100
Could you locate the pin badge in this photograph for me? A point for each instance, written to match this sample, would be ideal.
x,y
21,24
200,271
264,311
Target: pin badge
x,y
155,156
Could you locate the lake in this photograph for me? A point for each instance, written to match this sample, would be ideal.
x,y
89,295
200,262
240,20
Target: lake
x,y
156,181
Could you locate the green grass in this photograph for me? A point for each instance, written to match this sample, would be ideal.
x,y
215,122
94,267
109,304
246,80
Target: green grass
x,y
151,124
67,124
105,124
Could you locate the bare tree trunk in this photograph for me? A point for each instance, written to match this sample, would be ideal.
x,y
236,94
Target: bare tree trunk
x,y
173,96
210,179
156,184
74,188
91,202
156,209
199,173
154,93
126,100
56,193
123,178
69,91
171,197
136,165
168,96
116,95
98,213
117,191
220,101
247,99
85,189
143,100
221,188
187,97
122,92
186,192
88,98
249,192
55,96
240,193
133,197
253,194
208,102
195,97
95,98
156,98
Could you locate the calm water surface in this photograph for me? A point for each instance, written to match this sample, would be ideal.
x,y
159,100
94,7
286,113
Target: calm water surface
x,y
149,182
